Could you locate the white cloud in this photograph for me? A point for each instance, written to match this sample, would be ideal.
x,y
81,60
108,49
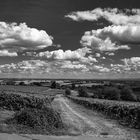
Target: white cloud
x,y
112,15
112,38
135,61
79,55
129,65
20,37
74,66
28,66
68,54
110,54
98,55
100,68
7,53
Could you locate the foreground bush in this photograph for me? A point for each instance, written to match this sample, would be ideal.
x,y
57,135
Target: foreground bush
x,y
16,102
126,112
43,119
32,114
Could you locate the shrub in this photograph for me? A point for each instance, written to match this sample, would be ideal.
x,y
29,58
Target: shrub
x,y
127,94
73,86
17,102
53,84
67,92
99,93
42,119
82,92
111,93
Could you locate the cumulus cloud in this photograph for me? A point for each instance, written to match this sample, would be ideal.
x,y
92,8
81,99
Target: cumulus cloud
x,y
135,61
98,55
28,66
20,37
110,54
129,65
7,53
112,38
68,54
41,66
74,66
99,68
113,15
45,66
79,55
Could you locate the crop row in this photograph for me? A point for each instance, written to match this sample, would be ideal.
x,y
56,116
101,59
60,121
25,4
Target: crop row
x,y
125,112
24,89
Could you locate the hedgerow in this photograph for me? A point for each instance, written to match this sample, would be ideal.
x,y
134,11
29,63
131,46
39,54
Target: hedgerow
x,y
43,120
35,113
16,102
127,113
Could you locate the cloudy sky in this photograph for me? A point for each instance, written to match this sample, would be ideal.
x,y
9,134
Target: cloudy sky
x,y
70,38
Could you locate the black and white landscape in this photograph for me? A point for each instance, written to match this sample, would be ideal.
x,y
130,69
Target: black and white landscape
x,y
69,69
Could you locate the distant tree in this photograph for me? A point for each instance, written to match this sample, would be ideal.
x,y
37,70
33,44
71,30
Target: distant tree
x,y
99,93
21,83
73,86
53,84
127,94
67,91
36,83
82,91
10,82
111,93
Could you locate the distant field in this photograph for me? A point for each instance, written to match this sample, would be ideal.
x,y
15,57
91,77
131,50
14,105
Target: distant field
x,y
30,90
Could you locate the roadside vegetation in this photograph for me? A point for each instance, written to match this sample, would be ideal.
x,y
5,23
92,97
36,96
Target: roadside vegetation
x,y
31,115
120,93
127,113
67,92
116,102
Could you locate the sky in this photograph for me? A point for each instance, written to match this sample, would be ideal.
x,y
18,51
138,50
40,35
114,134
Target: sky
x,y
85,39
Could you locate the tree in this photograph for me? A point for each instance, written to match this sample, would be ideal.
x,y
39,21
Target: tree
x,y
82,92
127,94
53,84
73,86
111,93
67,91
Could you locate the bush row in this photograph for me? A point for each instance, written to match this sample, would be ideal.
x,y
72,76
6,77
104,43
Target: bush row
x,y
127,113
33,112
16,102
109,92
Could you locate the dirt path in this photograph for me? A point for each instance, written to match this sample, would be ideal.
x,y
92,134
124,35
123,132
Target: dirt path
x,y
82,121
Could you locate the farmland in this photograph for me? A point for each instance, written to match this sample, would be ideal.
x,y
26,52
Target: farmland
x,y
43,107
